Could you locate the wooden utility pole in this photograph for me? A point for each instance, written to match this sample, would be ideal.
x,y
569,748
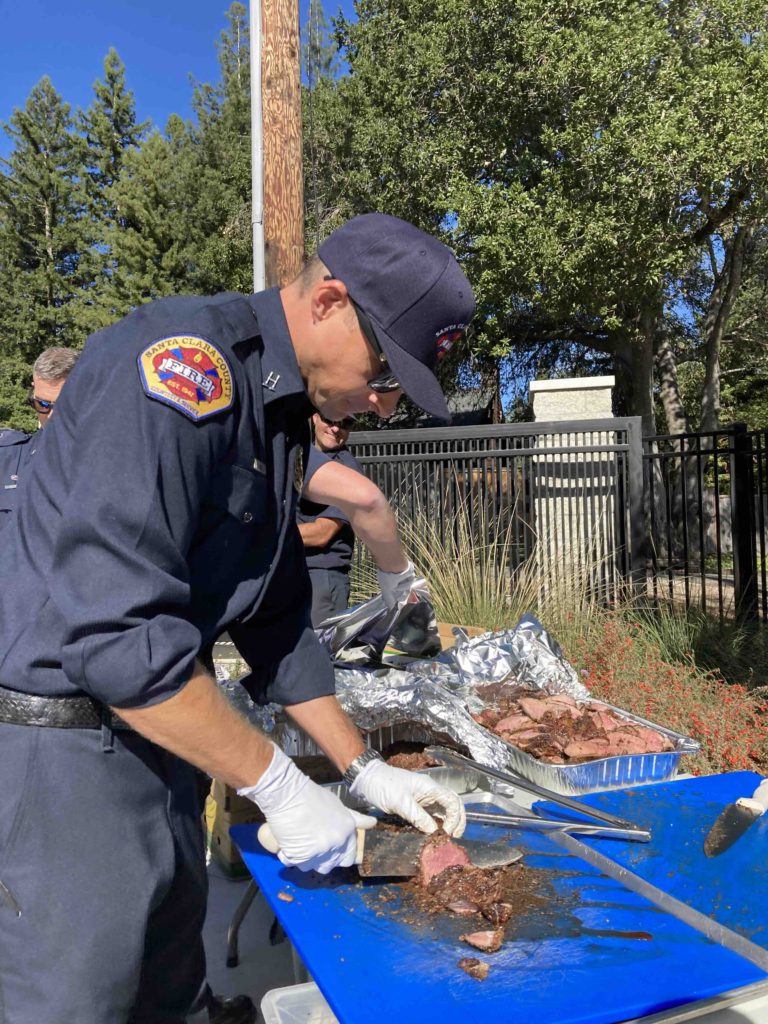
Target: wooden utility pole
x,y
283,154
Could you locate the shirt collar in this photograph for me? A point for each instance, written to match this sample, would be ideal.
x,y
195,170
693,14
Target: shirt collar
x,y
281,376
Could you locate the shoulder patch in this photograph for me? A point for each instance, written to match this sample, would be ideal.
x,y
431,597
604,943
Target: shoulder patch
x,y
188,373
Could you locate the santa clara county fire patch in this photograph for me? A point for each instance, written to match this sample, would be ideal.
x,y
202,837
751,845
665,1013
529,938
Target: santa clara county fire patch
x,y
188,373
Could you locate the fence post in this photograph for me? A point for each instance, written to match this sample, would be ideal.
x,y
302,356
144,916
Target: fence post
x,y
743,523
638,530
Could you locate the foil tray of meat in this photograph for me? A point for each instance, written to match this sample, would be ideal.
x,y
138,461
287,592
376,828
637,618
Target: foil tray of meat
x,y
575,746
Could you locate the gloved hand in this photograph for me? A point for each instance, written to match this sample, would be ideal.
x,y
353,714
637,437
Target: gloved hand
x,y
396,586
398,791
312,827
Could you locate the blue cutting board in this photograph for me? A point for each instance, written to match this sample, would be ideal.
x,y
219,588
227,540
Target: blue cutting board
x,y
597,953
731,888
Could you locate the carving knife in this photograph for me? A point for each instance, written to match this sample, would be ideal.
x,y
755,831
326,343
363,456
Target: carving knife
x,y
734,821
397,854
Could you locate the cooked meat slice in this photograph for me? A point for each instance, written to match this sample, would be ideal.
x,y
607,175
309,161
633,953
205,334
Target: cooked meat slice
x,y
439,855
533,707
599,747
498,913
604,719
486,941
464,908
475,968
512,723
563,698
518,738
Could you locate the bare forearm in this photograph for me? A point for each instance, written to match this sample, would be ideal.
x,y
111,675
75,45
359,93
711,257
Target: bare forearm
x,y
366,508
376,527
201,726
319,533
324,720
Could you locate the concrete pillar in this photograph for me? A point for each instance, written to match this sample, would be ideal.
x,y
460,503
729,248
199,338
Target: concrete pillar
x,y
575,499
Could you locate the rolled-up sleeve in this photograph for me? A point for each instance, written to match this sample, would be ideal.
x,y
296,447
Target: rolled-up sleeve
x,y
120,578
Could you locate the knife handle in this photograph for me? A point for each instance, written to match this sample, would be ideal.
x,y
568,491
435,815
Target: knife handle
x,y
271,845
760,796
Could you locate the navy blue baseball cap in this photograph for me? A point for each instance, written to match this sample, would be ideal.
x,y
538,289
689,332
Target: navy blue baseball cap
x,y
412,290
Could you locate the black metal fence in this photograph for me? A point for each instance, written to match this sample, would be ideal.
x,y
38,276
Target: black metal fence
x,y
706,498
569,492
682,518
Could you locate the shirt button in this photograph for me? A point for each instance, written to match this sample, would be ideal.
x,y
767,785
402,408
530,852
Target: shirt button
x,y
247,517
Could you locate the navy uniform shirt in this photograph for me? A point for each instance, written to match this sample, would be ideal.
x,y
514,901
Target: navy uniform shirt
x,y
15,449
161,510
337,553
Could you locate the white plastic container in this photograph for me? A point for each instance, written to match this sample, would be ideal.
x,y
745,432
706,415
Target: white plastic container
x,y
296,1004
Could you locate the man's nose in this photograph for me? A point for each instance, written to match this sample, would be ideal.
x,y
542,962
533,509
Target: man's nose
x,y
385,404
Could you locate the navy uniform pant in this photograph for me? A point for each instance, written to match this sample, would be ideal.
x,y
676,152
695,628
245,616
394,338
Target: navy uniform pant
x,y
330,593
102,879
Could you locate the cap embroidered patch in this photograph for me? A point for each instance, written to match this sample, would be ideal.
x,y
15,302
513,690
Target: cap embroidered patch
x,y
188,373
447,338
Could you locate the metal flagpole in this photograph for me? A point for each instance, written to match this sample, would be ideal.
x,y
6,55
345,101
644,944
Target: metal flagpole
x,y
257,149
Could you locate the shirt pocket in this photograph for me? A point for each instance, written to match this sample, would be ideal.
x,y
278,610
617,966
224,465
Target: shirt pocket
x,y
244,493
237,494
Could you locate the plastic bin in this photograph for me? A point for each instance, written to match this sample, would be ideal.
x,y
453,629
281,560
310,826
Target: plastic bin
x,y
296,1004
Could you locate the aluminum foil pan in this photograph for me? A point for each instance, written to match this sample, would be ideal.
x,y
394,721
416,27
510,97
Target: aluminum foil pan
x,y
606,772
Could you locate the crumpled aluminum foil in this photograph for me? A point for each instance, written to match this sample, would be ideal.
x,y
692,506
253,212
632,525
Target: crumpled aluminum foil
x,y
527,654
436,696
360,634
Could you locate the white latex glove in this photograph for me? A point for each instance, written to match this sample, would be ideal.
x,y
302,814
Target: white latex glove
x,y
312,827
396,586
398,791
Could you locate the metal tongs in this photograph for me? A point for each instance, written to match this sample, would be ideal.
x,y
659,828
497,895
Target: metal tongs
x,y
603,824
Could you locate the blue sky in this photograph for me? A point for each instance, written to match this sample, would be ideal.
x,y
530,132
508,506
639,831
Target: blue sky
x,y
161,43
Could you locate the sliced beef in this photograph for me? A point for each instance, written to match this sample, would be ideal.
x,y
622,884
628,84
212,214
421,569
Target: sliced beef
x,y
486,941
555,728
475,968
512,723
437,856
534,707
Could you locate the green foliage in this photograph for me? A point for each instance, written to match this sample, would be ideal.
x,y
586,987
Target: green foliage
x,y
43,233
577,154
98,214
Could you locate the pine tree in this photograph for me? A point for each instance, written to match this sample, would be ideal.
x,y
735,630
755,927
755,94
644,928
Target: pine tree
x,y
223,142
109,130
43,233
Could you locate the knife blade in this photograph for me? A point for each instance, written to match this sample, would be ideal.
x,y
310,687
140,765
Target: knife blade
x,y
733,822
398,854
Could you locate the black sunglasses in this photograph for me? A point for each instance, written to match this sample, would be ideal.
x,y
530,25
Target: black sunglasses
x,y
40,405
385,382
346,424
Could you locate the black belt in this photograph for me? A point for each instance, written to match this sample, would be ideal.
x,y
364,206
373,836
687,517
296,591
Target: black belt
x,y
56,712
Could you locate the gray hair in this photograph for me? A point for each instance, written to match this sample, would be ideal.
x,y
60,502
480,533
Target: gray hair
x,y
55,363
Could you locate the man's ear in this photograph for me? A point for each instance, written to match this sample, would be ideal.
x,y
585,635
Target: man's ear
x,y
329,298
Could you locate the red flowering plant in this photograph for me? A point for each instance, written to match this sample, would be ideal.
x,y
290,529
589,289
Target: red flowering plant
x,y
622,666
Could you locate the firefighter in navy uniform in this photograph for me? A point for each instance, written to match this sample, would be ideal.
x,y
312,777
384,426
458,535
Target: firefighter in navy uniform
x,y
50,371
159,512
328,537
14,448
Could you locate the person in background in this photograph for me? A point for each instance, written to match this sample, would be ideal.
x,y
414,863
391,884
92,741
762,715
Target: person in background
x,y
50,371
328,537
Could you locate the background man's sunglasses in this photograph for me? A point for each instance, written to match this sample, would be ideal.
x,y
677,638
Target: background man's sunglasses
x,y
40,404
346,424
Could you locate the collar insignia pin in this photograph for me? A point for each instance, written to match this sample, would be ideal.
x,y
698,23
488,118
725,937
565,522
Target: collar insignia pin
x,y
271,380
